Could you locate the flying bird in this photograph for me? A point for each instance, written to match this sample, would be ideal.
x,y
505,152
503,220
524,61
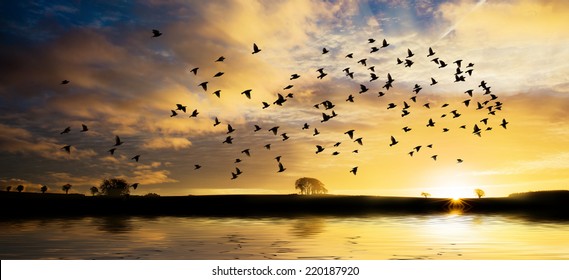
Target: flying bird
x,y
350,55
181,107
285,137
431,123
363,89
359,141
354,170
228,140
197,166
220,59
218,74
173,113
255,48
393,141
294,76
274,130
350,133
370,41
194,113
384,44
406,129
324,51
504,123
267,146
195,70
433,81
118,141
67,148
458,160
136,158
305,126
257,128
216,122
230,129
112,151
66,130
247,93
203,85
246,152
265,105
362,61
431,52
64,82
409,53
319,149
316,132
135,185
156,33
281,168
434,157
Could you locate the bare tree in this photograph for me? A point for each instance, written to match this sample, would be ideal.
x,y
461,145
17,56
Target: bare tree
x,y
43,189
425,194
479,192
308,185
20,188
94,190
66,188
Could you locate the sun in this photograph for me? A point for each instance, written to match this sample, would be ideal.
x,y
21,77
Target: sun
x,y
455,187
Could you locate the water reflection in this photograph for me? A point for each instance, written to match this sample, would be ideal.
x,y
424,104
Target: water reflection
x,y
448,236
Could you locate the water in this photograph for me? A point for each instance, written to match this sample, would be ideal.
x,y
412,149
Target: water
x,y
379,237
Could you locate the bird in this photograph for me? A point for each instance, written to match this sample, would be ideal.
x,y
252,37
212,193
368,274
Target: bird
x,y
431,123
67,148
409,53
504,123
247,93
322,74
181,107
194,113
64,82
197,166
434,157
337,144
476,130
458,62
195,70
469,92
281,167
370,41
216,122
350,55
274,130
408,62
372,68
431,52
112,151
399,61
257,128
433,81
135,185
350,98
203,85
228,140
324,51
354,170
230,129
350,133
427,105
373,77
455,114
466,102
265,105
118,141
280,100
237,160
246,152
218,74
233,176
359,141
406,129
458,160
363,89
136,158
66,130
384,44
173,113
316,132
278,158
288,87
267,146
391,105
319,149
156,33
362,61
238,171
445,129
442,64
285,137
393,141
220,59
374,49
294,76
418,148
305,126
484,121
335,153
255,49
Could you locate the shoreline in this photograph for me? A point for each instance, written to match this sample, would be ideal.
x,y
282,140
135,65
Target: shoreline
x,y
20,205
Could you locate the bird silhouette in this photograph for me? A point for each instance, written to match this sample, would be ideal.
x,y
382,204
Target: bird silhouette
x,y
228,140
484,121
476,130
288,87
391,105
247,93
324,51
294,76
216,122
238,171
354,170
230,129
337,144
504,123
194,113
359,141
246,152
281,167
220,59
67,148
370,41
255,49
267,146
406,129
408,62
431,52
374,49
442,64
399,61
393,141
118,141
274,130
322,74
197,166
427,105
335,153
433,82
417,148
409,53
384,44
362,61
280,100
458,160
458,62
469,92
431,123
319,149
195,70
265,105
373,77
66,130
285,137
434,157
218,74
305,126
181,107
363,89
350,55
64,82
135,185
350,133
203,85
316,132
233,176
136,158
156,33
237,160
173,113
466,102
257,128
278,158
112,151
350,98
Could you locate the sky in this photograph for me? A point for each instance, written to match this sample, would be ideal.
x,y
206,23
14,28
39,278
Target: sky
x,y
125,82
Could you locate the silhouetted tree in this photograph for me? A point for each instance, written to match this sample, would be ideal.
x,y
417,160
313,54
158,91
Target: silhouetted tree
x,y
43,189
66,188
152,195
308,185
94,190
20,188
114,187
425,194
8,188
479,192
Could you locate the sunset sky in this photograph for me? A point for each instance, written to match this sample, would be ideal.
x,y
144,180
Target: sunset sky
x,y
124,82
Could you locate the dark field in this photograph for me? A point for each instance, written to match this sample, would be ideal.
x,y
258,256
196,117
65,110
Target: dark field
x,y
551,204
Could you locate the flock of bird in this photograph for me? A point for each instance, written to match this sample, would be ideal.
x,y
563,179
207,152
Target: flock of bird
x,y
486,101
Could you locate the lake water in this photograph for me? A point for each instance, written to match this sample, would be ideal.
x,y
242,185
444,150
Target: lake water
x,y
378,237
